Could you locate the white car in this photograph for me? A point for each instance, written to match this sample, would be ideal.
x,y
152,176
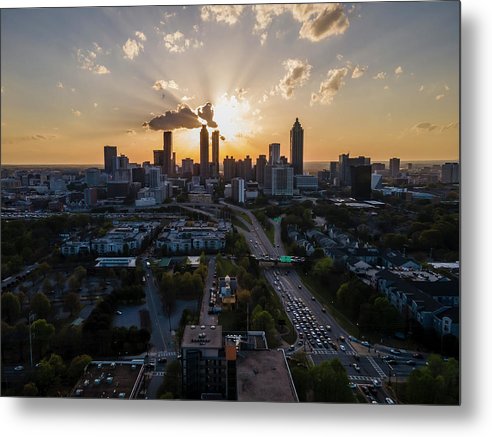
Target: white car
x,y
342,347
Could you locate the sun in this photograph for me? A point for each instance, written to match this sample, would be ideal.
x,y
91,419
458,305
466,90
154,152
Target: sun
x,y
233,115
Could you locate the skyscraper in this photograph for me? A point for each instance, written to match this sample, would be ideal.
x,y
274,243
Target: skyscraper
x,y
237,190
394,166
215,152
360,181
260,169
110,153
450,173
168,152
204,162
273,153
297,147
159,158
229,168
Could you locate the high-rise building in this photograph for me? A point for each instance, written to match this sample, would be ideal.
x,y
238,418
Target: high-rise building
x,y
159,158
229,168
279,180
215,152
450,173
173,164
378,166
273,153
92,177
204,145
297,147
155,177
345,163
90,196
187,167
168,153
110,153
261,163
334,174
138,175
394,167
360,181
248,168
237,185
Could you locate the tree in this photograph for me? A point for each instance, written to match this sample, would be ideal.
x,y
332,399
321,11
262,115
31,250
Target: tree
x,y
44,268
72,303
330,382
40,305
42,333
30,390
322,269
77,367
10,307
47,286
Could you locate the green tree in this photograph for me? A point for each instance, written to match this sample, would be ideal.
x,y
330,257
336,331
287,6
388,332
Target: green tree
x,y
72,303
322,269
330,382
172,381
10,307
44,268
40,305
30,390
77,367
42,333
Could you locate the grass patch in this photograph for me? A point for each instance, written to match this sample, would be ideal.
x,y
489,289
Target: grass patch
x,y
238,223
270,233
246,217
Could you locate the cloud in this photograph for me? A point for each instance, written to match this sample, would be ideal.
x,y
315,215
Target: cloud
x,y
359,71
421,88
398,70
329,88
240,93
131,132
228,14
42,137
319,21
59,85
132,48
206,112
177,43
76,113
87,61
183,118
339,57
380,76
141,36
297,74
440,96
222,137
427,127
386,87
187,98
96,105
161,85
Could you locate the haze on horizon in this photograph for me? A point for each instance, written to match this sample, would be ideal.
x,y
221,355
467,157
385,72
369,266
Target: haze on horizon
x,y
374,79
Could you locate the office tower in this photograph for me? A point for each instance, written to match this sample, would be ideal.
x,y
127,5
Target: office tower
x,y
215,152
121,162
450,173
92,177
155,177
90,197
168,153
283,160
173,165
360,181
187,167
204,162
297,147
261,163
110,153
273,153
279,181
334,174
138,175
196,169
394,167
229,168
344,169
158,158
237,185
378,166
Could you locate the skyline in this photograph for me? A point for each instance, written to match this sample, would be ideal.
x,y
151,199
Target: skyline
x,y
107,75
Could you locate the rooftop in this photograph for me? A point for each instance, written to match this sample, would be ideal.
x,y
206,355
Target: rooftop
x,y
202,336
116,262
107,379
263,376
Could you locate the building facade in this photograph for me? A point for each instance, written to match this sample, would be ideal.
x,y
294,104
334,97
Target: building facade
x,y
297,147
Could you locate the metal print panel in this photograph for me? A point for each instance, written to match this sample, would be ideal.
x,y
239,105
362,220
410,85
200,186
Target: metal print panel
x,y
231,202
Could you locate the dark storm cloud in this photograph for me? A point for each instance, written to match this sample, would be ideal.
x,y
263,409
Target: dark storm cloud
x,y
206,112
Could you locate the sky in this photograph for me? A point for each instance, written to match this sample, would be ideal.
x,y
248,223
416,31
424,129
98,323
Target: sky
x,y
373,79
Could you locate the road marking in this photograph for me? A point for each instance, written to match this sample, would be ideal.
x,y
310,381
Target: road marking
x,y
360,378
376,367
158,373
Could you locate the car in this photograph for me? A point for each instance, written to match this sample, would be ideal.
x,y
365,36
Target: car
x,y
418,355
395,352
376,383
356,367
410,363
342,347
119,313
299,287
19,368
365,343
341,338
313,298
390,401
352,385
323,310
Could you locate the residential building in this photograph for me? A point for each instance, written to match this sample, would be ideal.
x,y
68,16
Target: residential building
x,y
450,173
229,168
261,163
394,167
237,185
279,181
92,177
